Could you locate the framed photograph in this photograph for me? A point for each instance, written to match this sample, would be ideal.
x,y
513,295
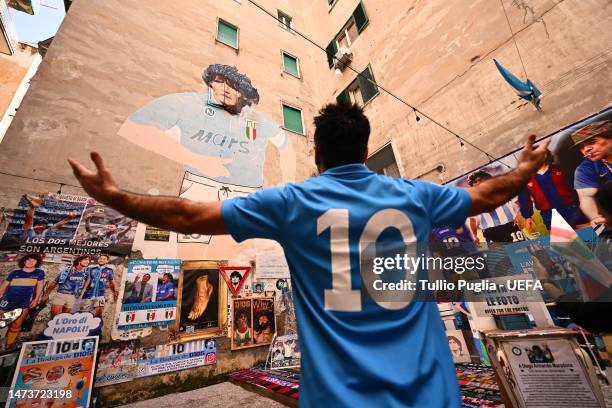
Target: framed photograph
x,y
254,323
202,300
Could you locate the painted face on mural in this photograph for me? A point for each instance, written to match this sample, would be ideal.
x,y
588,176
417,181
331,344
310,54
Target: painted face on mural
x,y
224,93
84,262
597,148
30,263
102,260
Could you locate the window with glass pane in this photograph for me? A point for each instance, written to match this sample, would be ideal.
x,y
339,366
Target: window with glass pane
x,y
290,65
285,20
227,33
292,119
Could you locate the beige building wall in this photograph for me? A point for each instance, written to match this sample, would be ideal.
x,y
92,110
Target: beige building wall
x,y
438,56
13,69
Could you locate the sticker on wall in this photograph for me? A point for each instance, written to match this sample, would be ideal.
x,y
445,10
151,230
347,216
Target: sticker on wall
x,y
216,132
235,276
156,234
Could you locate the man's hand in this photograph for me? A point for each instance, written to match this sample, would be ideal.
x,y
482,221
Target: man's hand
x,y
99,184
491,193
532,158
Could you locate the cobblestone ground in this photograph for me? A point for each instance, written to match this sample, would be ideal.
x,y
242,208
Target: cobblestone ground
x,y
223,395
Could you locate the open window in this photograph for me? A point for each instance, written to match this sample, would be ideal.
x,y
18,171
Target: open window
x,y
383,162
361,91
348,34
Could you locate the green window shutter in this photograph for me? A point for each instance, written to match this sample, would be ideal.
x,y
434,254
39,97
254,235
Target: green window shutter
x,y
227,34
361,18
292,119
291,65
368,89
344,97
331,50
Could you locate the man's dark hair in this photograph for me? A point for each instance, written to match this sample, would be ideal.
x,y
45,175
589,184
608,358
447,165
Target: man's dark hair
x,y
235,274
603,197
341,134
22,261
483,175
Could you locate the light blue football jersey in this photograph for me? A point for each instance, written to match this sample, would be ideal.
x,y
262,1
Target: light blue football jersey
x,y
209,130
356,353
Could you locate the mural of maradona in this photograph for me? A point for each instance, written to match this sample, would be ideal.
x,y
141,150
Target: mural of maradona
x,y
217,134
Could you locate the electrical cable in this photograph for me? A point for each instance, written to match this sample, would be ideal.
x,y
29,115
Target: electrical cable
x,y
359,74
513,38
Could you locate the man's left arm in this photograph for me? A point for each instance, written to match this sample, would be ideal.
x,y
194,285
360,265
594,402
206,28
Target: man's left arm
x,y
171,213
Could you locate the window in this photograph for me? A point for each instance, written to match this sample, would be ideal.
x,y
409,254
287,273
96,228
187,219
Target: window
x,y
227,33
285,20
361,91
383,162
292,119
351,30
291,65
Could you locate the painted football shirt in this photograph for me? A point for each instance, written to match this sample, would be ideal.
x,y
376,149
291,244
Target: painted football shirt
x,y
164,289
591,174
21,289
373,357
209,130
72,283
100,276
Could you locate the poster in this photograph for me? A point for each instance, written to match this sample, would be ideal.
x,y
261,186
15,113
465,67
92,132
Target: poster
x,y
242,323
575,168
264,322
156,234
235,277
253,322
202,299
58,299
271,267
285,352
150,293
117,363
547,373
54,372
166,358
458,346
63,224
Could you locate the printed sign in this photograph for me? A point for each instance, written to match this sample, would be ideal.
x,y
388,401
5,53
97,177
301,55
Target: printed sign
x,y
235,276
271,266
166,358
150,293
548,373
51,373
156,234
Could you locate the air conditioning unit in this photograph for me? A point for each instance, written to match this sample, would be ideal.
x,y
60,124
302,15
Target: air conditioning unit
x,y
343,57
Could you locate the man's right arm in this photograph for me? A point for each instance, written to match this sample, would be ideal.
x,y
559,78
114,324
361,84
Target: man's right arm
x,y
496,191
171,213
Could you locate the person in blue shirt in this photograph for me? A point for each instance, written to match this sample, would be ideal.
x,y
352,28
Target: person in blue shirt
x,y
71,284
101,276
22,289
595,143
356,351
165,289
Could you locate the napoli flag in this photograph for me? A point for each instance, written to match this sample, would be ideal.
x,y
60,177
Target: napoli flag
x,y
526,90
